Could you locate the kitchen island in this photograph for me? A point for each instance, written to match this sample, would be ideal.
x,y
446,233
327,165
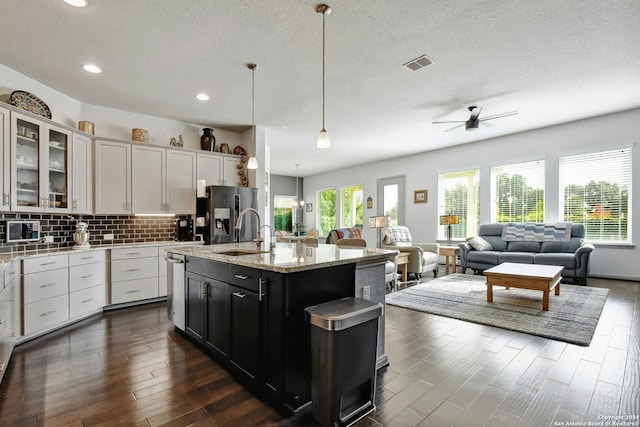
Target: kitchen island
x,y
246,308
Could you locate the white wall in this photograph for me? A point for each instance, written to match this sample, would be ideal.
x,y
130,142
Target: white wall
x,y
422,171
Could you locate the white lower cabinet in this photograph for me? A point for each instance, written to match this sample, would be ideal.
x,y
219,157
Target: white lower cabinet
x,y
87,282
45,285
134,274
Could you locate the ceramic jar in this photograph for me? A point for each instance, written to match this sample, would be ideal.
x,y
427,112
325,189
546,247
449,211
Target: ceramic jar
x,y
207,140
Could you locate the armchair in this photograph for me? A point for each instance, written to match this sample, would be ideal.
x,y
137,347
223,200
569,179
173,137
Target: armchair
x,y
423,257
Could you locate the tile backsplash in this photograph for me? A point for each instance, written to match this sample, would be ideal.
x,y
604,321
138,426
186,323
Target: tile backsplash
x,y
125,229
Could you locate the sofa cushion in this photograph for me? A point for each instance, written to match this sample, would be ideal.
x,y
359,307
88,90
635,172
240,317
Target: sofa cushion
x,y
479,244
558,247
483,257
567,260
520,257
523,247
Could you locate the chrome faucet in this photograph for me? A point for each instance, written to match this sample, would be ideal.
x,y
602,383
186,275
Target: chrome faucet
x,y
239,224
272,244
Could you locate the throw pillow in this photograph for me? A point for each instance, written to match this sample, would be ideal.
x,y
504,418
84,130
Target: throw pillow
x,y
479,244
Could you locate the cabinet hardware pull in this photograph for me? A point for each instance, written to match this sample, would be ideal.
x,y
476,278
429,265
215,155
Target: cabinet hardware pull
x,y
205,289
239,295
86,301
241,276
87,276
133,269
133,291
46,285
47,313
260,283
133,253
48,263
87,257
6,199
75,204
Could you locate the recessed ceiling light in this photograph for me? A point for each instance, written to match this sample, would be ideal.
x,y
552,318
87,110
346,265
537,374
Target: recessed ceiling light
x,y
92,68
76,3
202,97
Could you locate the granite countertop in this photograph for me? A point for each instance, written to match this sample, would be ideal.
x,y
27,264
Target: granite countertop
x,y
5,258
287,257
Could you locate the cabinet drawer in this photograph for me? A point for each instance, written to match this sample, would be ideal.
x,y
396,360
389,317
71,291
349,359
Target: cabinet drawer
x,y
86,301
218,270
86,276
129,269
82,258
128,253
245,277
9,273
35,265
48,284
44,314
195,265
134,290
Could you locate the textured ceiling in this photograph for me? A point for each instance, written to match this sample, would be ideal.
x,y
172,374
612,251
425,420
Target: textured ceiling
x,y
554,61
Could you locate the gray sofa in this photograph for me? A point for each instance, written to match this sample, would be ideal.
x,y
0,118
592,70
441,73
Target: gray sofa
x,y
572,255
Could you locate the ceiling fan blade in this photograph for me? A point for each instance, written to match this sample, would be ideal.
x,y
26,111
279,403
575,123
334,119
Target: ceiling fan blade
x,y
455,127
475,112
498,116
450,121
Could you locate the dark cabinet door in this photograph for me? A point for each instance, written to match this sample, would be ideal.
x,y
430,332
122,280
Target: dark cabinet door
x,y
245,333
196,306
218,301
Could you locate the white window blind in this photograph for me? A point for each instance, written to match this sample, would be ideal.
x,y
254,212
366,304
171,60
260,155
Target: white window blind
x,y
518,192
461,192
595,189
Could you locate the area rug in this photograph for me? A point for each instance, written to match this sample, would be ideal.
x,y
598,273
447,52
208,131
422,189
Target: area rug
x,y
572,317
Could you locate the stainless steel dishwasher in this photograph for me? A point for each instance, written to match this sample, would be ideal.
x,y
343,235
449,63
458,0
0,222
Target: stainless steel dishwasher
x,y
175,289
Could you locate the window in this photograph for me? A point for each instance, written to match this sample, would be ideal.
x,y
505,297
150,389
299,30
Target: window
x,y
595,189
327,210
352,206
518,192
283,213
459,194
391,198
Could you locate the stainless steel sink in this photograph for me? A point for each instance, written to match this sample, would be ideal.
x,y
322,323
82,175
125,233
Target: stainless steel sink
x,y
240,252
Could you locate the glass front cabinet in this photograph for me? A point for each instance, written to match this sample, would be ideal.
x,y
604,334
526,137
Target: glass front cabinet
x,y
40,161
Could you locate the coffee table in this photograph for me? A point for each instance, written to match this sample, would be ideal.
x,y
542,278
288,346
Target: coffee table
x,y
536,277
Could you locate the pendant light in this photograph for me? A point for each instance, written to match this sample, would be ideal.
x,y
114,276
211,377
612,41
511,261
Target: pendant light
x,y
253,162
323,138
298,204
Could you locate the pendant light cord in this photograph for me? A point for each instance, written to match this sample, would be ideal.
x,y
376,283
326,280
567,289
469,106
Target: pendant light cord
x,y
324,15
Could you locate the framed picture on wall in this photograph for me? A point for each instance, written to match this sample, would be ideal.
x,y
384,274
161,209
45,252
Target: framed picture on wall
x,y
420,196
309,207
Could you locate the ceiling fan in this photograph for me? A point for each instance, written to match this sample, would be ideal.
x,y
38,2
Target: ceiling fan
x,y
475,121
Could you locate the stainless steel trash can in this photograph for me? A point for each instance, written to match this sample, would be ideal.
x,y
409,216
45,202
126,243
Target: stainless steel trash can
x,y
344,336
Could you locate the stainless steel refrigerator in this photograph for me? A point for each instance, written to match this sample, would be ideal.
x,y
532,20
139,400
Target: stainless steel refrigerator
x,y
221,209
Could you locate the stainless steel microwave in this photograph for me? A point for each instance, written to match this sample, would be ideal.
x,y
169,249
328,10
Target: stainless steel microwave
x,y
23,231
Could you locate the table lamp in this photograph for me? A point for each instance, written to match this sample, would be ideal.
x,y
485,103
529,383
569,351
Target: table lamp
x,y
378,222
449,220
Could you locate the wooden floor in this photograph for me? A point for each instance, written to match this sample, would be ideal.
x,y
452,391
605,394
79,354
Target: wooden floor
x,y
129,368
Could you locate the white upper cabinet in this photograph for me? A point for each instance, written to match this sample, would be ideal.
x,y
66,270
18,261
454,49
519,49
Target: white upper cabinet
x,y
148,184
5,149
112,178
231,170
181,182
40,165
210,167
81,175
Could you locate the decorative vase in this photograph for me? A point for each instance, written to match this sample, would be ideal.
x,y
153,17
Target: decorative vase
x,y
207,140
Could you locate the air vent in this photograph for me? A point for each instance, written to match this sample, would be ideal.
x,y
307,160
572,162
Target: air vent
x,y
418,63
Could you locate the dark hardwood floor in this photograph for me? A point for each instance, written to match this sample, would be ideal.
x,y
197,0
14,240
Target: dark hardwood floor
x,y
129,367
